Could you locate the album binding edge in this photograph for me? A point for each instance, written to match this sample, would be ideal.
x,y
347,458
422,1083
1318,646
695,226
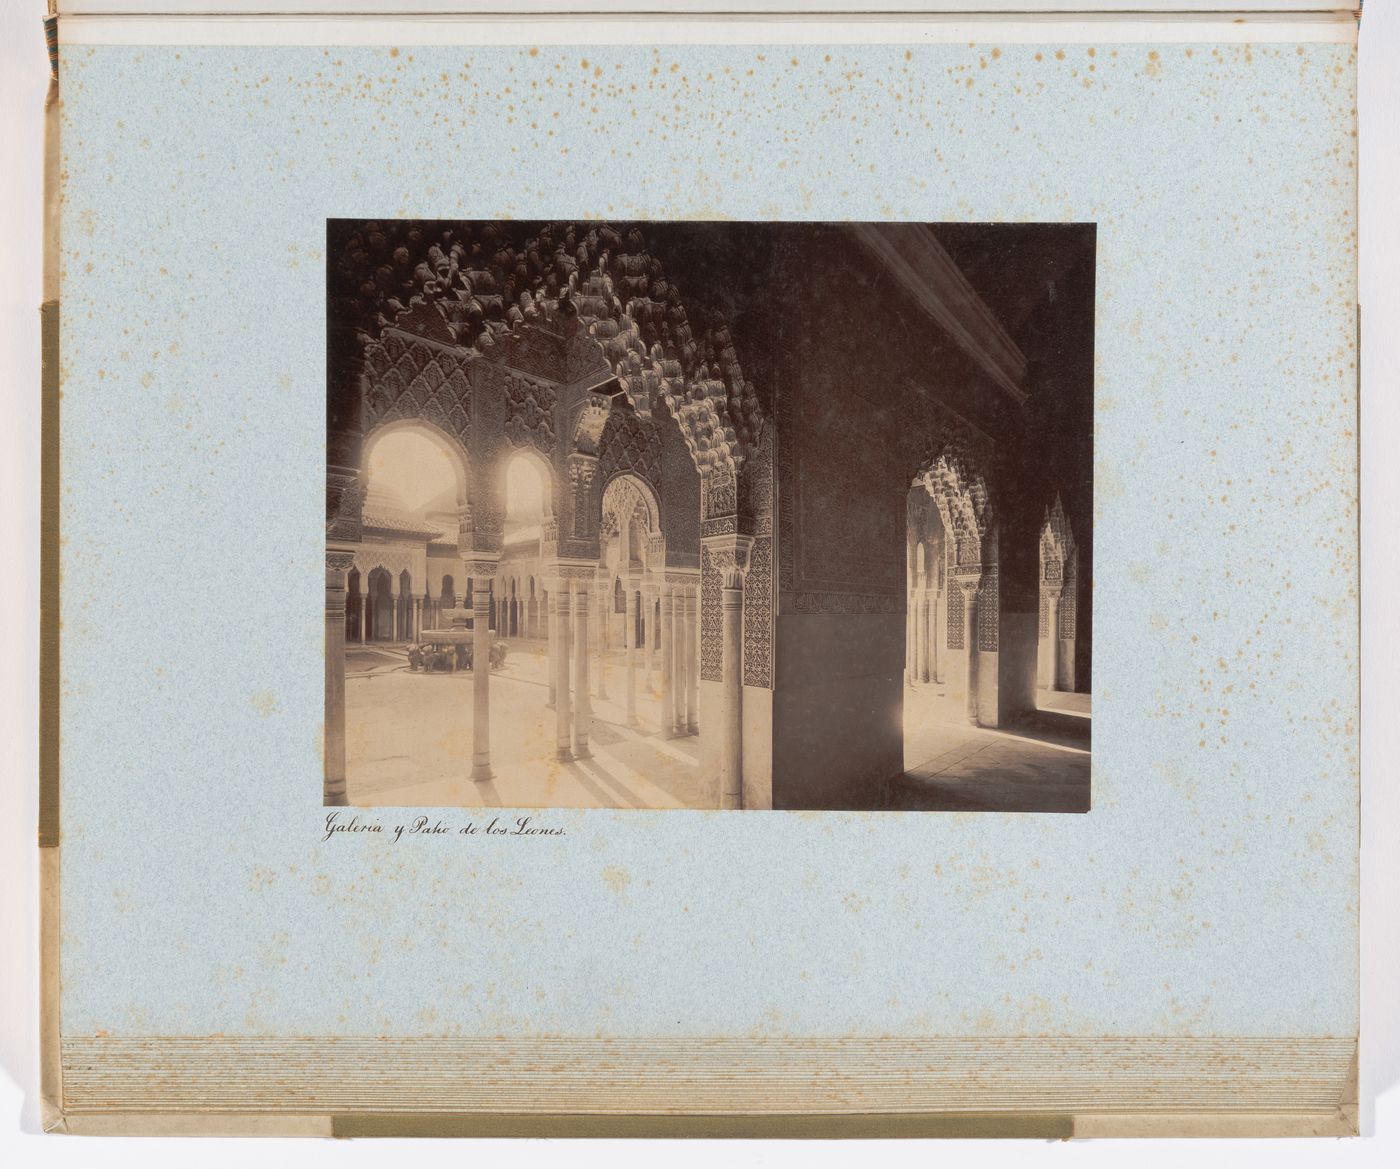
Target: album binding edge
x,y
861,1126
50,1051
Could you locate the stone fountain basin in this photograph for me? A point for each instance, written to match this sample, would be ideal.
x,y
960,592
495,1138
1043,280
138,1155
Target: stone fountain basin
x,y
457,636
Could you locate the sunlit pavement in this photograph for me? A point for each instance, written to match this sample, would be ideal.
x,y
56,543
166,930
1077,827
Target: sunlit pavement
x,y
409,743
1039,766
409,740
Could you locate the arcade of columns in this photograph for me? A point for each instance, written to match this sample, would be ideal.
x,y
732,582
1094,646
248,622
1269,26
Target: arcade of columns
x,y
938,599
662,620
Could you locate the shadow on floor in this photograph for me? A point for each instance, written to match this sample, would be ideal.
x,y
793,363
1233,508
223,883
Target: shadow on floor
x,y
1053,726
915,792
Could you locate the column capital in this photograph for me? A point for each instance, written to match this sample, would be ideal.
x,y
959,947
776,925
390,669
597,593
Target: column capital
x,y
482,566
345,500
575,570
729,555
968,577
677,578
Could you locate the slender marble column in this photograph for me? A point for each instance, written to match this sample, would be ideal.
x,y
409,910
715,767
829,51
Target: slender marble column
x,y
668,703
1053,619
603,598
678,672
692,660
911,622
364,615
935,603
926,640
920,634
333,791
394,608
629,637
731,761
481,687
551,628
563,720
649,636
970,645
583,705
417,603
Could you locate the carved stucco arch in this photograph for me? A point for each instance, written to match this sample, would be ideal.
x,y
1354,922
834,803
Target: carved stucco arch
x,y
373,557
549,485
472,285
448,444
625,494
952,475
1056,538
1059,571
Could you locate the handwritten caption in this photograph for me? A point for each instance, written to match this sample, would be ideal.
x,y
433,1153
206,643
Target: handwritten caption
x,y
338,824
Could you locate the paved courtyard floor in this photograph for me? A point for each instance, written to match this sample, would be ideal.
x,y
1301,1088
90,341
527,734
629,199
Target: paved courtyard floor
x,y
1041,765
409,740
409,744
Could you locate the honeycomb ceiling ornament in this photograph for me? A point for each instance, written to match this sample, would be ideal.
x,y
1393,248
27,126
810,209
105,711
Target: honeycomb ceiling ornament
x,y
471,284
951,475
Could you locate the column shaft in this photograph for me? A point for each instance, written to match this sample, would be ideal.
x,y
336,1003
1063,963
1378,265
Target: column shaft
x,y
1053,617
603,597
910,634
668,703
935,600
583,706
551,627
921,635
629,637
970,645
649,636
692,661
364,615
563,720
334,780
731,760
678,671
481,686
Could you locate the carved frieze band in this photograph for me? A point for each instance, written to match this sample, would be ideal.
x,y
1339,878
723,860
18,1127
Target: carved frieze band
x,y
711,619
846,603
631,444
577,571
408,378
583,470
345,498
725,525
719,494
481,569
989,611
758,615
529,412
